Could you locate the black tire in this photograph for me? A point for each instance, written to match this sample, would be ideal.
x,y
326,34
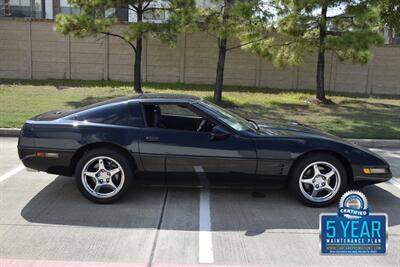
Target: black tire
x,y
302,164
115,155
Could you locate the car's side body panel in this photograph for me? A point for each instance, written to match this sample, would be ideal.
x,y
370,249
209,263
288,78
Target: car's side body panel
x,y
281,152
68,135
68,139
188,153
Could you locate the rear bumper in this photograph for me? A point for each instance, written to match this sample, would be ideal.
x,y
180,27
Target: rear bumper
x,y
55,165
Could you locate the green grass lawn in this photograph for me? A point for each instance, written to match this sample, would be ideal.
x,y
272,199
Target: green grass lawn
x,y
352,117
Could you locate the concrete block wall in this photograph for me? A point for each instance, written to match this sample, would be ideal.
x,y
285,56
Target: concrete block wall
x,y
15,50
162,62
384,71
120,58
49,52
87,58
32,50
201,54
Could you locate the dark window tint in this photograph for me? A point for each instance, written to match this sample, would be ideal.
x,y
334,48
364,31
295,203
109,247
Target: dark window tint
x,y
136,118
177,110
115,114
175,117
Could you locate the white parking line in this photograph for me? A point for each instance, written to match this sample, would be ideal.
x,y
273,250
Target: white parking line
x,y
394,182
388,153
206,254
12,172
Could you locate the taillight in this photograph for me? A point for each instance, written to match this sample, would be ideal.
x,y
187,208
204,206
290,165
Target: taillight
x,y
41,154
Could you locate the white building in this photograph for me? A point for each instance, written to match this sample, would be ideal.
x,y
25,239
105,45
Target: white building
x,y
47,9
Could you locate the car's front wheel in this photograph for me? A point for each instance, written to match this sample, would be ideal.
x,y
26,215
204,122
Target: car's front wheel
x,y
103,175
318,180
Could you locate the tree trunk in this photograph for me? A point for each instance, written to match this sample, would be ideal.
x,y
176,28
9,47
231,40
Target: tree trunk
x,y
320,94
137,75
222,49
219,82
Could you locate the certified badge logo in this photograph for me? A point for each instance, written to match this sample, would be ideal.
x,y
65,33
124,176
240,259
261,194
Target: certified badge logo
x,y
353,229
353,205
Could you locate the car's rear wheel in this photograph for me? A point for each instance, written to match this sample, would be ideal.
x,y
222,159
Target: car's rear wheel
x,y
103,175
318,180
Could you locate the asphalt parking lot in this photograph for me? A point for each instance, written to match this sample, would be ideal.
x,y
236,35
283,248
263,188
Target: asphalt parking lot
x,y
44,221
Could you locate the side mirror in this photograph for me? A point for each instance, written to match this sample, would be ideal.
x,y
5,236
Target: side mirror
x,y
218,133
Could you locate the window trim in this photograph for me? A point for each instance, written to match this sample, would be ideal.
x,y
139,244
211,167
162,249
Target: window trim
x,y
130,108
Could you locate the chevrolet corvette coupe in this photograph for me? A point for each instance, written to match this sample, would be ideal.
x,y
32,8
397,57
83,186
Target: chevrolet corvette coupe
x,y
176,140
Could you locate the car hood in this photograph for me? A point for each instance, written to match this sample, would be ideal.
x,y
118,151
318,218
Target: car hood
x,y
291,129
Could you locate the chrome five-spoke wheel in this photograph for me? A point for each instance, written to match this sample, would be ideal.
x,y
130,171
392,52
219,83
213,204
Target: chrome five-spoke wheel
x,y
319,181
103,177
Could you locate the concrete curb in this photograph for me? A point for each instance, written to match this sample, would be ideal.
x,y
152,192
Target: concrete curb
x,y
371,143
376,143
9,132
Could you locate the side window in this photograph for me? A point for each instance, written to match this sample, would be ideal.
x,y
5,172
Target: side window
x,y
136,117
175,117
177,110
115,114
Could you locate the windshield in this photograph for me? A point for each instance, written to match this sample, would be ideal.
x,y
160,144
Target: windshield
x,y
235,121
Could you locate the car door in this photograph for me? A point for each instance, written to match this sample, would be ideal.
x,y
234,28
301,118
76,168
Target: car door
x,y
193,157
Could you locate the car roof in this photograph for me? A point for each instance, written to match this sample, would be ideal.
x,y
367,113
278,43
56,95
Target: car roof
x,y
166,98
163,97
153,97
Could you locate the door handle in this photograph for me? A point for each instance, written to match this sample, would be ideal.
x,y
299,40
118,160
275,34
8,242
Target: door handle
x,y
152,139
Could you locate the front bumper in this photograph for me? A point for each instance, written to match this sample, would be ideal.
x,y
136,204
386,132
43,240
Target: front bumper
x,y
362,179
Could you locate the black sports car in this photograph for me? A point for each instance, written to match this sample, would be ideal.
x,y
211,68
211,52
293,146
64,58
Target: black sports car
x,y
184,140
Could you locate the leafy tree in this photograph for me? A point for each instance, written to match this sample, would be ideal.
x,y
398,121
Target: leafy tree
x,y
246,21
307,28
92,20
390,15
